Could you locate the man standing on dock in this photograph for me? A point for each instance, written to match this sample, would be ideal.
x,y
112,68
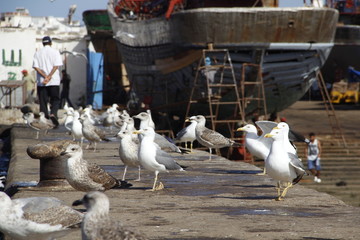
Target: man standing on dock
x,y
46,63
312,153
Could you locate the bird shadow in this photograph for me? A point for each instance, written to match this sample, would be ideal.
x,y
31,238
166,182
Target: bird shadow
x,y
246,197
222,171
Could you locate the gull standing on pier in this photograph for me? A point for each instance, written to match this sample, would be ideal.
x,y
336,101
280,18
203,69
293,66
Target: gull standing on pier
x,y
145,122
36,217
152,158
128,152
92,133
283,166
187,134
36,124
76,128
210,138
258,146
97,223
84,176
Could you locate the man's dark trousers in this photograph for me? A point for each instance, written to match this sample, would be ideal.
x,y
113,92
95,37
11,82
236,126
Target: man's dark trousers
x,y
51,93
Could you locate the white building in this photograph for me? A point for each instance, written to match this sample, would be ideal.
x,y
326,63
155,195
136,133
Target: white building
x,y
20,38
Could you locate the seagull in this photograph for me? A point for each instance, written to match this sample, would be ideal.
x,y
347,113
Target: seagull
x,y
36,124
210,138
109,118
187,134
92,133
258,146
36,217
97,223
44,120
281,165
76,128
69,118
152,158
291,136
84,176
128,152
164,143
145,120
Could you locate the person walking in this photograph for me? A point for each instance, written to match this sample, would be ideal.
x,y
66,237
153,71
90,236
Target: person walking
x,y
65,81
313,153
30,85
46,64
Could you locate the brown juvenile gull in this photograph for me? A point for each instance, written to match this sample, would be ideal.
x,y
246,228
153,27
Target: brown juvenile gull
x,y
210,138
152,158
36,217
36,124
97,224
281,165
128,152
84,176
92,133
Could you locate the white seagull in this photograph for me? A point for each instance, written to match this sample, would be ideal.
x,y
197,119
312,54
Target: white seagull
x,y
187,134
281,165
76,128
258,146
152,158
36,217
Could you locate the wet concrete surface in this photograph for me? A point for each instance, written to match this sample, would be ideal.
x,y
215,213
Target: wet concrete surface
x,y
217,199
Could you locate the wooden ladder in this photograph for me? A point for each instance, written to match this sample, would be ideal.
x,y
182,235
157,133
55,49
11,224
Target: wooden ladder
x,y
252,90
213,66
330,111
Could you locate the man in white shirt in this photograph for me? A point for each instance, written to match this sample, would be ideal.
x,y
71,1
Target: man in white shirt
x,y
46,63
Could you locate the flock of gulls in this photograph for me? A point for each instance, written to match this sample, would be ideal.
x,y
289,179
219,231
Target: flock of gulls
x,y
48,218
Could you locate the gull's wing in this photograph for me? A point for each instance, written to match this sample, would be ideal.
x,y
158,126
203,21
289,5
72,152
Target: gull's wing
x,y
180,134
37,204
210,136
266,126
167,160
164,143
99,175
297,137
298,166
48,210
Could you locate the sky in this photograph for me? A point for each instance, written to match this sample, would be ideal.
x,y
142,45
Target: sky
x,y
60,8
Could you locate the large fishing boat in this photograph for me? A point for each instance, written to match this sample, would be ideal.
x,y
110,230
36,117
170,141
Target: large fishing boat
x,y
346,50
160,41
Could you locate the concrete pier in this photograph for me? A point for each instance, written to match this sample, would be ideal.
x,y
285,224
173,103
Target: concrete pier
x,y
210,200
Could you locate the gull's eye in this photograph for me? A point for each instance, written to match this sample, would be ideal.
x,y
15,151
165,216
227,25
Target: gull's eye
x,y
73,149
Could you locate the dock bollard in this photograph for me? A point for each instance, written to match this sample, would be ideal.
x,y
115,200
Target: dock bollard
x,y
52,165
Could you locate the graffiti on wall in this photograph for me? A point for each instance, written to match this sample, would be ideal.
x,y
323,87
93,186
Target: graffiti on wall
x,y
12,61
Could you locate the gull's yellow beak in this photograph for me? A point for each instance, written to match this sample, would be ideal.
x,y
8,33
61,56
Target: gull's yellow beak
x,y
240,129
187,120
136,132
268,135
276,127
